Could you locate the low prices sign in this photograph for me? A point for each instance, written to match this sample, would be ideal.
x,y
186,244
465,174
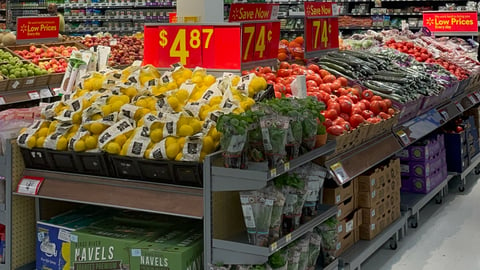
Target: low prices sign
x,y
321,28
212,47
458,22
37,27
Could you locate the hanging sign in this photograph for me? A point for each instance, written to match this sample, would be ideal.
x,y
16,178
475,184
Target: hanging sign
x,y
37,29
454,22
321,28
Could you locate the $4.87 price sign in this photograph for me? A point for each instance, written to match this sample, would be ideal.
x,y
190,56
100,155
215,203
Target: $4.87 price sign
x,y
260,41
186,43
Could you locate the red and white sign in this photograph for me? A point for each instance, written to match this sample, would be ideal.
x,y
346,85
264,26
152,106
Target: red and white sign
x,y
30,185
212,47
321,27
37,27
253,12
455,21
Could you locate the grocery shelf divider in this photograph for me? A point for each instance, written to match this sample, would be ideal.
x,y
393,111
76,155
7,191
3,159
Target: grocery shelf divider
x,y
361,251
21,95
239,251
355,161
125,194
257,175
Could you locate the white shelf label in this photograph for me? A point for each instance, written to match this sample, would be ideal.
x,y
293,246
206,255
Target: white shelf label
x,y
472,99
286,166
477,94
273,247
288,237
45,93
57,91
403,137
459,106
29,185
15,84
2,101
33,95
339,172
445,115
273,172
29,81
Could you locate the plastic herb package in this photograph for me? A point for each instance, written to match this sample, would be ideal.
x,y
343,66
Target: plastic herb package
x,y
257,212
256,150
314,176
314,249
277,261
294,191
277,214
274,131
234,129
303,245
329,239
294,253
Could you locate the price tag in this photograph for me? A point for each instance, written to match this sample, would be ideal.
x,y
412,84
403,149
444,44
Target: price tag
x,y
15,84
113,42
321,27
472,99
403,137
259,41
273,247
2,101
30,185
29,81
45,93
459,106
286,166
33,95
477,94
339,172
288,237
273,172
444,114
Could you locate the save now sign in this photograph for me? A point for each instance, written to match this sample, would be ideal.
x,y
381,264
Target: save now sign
x,y
321,28
457,21
37,27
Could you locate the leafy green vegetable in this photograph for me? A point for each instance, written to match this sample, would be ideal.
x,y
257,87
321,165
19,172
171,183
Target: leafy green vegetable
x,y
277,260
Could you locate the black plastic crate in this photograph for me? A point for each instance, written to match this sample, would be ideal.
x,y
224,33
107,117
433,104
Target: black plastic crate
x,y
156,171
36,158
93,163
63,161
188,173
125,167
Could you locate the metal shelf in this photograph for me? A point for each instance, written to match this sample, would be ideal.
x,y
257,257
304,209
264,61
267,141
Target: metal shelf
x,y
258,174
353,161
332,266
361,251
414,202
125,194
102,29
97,18
21,95
113,5
239,251
419,127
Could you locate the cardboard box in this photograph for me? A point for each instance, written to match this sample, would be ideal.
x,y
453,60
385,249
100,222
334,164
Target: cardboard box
x,y
350,223
393,170
368,231
368,199
371,180
346,242
338,194
372,215
345,208
183,251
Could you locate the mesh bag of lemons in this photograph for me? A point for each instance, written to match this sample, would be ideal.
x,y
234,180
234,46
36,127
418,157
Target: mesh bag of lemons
x,y
143,113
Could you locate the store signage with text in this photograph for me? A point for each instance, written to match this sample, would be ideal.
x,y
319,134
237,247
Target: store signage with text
x,y
253,12
260,41
455,21
213,47
321,27
37,27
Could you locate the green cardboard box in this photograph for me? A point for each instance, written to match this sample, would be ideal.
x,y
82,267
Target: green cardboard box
x,y
181,249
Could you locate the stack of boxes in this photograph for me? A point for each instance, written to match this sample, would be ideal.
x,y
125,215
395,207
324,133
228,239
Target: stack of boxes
x,y
118,240
424,164
379,198
472,132
366,205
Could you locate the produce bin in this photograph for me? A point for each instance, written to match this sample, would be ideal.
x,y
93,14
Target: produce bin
x,y
36,158
93,163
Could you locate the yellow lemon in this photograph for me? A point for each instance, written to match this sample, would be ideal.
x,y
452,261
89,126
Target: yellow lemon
x,y
97,128
235,80
113,99
187,73
91,142
172,86
208,144
116,106
62,143
106,109
39,142
124,150
141,103
113,148
196,125
181,142
182,95
170,140
156,125
173,102
130,92
120,139
43,132
96,117
80,146
77,118
140,113
216,100
197,79
209,80
185,130
125,99
147,153
156,135
202,156
32,142
172,151
151,104
179,156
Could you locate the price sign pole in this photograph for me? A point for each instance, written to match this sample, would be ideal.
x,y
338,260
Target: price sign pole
x,y
321,28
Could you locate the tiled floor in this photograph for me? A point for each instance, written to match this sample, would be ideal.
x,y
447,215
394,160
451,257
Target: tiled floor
x,y
447,237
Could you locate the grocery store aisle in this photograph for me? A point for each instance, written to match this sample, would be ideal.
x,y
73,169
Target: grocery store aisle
x,y
447,236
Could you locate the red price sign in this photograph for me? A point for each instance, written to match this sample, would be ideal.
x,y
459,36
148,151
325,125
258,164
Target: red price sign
x,y
321,27
458,22
253,12
260,41
213,47
31,28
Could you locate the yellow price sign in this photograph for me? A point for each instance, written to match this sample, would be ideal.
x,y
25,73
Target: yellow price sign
x,y
184,44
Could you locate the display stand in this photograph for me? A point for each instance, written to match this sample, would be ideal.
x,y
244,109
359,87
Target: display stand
x,y
474,164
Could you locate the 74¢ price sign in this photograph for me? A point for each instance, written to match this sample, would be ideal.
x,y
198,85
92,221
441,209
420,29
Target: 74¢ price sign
x,y
321,27
260,41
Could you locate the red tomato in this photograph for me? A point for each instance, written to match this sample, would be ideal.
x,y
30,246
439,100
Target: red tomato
x,y
355,92
339,121
365,103
298,71
295,66
331,114
353,98
284,65
345,106
375,97
334,106
278,87
367,94
244,72
278,94
325,96
267,70
312,77
314,89
391,111
343,81
325,87
311,83
318,79
356,120
284,72
384,115
345,116
374,120
388,103
270,76
329,78
368,114
347,126
335,130
324,73
375,107
314,68
328,122
356,109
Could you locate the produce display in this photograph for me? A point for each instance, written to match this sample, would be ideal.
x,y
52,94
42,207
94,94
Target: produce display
x,y
292,50
125,49
13,67
143,113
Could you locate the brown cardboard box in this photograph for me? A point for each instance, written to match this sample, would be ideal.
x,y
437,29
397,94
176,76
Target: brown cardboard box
x,y
372,215
393,170
350,223
368,231
345,208
367,199
371,180
346,242
336,195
